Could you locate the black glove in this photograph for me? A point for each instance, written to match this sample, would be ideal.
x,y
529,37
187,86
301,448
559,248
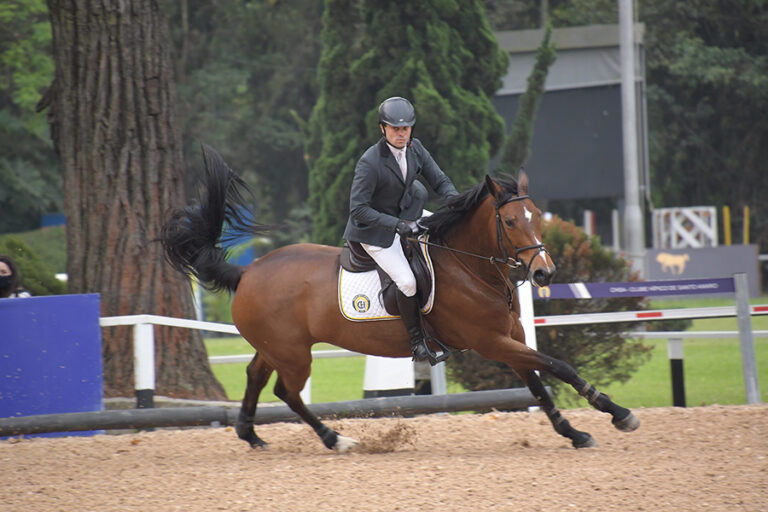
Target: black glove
x,y
403,229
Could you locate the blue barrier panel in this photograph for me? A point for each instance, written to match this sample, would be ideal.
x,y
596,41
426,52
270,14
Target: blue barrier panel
x,y
50,356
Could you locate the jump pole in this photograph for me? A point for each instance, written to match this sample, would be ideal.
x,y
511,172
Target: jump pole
x,y
516,398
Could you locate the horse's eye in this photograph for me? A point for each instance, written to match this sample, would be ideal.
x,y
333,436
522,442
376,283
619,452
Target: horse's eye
x,y
509,222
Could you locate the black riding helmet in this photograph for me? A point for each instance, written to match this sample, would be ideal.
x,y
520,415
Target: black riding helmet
x,y
397,111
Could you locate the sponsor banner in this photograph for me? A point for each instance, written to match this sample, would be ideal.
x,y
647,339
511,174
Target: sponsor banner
x,y
634,289
705,262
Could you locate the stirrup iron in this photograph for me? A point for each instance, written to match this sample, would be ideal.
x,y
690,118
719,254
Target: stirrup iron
x,y
433,357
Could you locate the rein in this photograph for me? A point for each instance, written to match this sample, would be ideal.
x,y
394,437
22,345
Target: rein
x,y
493,260
511,261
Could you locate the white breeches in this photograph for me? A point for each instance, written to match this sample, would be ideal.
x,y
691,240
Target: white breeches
x,y
392,261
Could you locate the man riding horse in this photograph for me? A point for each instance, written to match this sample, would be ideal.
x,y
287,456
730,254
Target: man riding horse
x,y
386,200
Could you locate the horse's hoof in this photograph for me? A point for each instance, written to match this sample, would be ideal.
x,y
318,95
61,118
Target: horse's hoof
x,y
259,443
584,440
627,424
344,444
252,439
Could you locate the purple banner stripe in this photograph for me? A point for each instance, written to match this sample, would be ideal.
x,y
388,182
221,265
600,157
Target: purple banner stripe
x,y
637,289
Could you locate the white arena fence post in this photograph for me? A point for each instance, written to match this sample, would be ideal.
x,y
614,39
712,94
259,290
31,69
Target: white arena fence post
x,y
388,376
144,365
306,391
748,360
675,353
525,295
437,378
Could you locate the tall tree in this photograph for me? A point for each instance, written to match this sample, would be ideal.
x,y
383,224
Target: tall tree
x,y
112,117
442,56
517,147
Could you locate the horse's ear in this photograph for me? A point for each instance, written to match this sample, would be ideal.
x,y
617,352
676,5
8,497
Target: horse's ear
x,y
522,182
493,188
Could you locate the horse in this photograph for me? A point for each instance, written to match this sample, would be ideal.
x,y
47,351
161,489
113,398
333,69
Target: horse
x,y
285,301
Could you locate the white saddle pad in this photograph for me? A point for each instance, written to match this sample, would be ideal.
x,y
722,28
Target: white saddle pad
x,y
359,293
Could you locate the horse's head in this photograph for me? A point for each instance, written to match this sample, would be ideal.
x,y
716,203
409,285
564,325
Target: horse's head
x,y
518,230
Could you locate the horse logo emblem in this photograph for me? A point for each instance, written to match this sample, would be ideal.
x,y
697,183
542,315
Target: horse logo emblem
x,y
544,292
361,303
673,263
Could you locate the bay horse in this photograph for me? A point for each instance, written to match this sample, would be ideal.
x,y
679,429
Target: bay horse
x,y
286,301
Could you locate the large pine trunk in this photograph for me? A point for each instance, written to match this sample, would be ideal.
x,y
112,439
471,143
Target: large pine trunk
x,y
113,124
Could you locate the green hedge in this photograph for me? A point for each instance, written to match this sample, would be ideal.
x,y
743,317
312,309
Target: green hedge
x,y
37,275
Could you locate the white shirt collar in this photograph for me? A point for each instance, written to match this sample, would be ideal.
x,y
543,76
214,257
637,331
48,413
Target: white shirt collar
x,y
395,150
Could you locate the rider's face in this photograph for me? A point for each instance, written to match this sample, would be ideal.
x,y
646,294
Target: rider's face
x,y
397,136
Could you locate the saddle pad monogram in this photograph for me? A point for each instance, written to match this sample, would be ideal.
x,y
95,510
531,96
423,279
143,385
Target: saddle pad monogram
x,y
359,293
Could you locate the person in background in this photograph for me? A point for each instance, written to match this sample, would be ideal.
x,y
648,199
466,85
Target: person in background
x,y
10,279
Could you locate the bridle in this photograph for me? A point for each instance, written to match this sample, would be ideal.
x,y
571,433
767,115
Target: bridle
x,y
502,234
513,262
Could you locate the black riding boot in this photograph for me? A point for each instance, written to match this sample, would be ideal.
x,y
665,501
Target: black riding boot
x,y
410,311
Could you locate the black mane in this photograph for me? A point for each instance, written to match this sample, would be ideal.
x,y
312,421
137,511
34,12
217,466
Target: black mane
x,y
458,206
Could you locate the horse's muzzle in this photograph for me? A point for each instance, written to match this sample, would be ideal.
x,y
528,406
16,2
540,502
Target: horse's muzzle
x,y
542,277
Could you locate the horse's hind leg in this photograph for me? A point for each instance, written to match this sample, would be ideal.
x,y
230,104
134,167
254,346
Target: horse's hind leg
x,y
561,425
258,372
331,439
623,419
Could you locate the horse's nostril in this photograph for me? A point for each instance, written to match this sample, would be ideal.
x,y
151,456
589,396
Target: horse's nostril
x,y
541,277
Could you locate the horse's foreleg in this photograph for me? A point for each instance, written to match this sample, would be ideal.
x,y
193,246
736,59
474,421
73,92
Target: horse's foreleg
x,y
258,372
623,419
331,439
561,425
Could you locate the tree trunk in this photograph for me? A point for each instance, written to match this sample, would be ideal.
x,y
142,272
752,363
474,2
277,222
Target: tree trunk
x,y
113,123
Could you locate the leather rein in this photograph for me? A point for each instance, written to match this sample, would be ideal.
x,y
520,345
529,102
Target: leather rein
x,y
513,262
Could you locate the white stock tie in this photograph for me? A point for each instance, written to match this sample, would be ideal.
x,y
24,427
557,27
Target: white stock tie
x,y
400,156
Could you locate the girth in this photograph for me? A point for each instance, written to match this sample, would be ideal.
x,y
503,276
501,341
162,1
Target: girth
x,y
353,258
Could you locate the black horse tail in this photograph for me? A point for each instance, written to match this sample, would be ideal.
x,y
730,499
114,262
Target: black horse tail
x,y
191,235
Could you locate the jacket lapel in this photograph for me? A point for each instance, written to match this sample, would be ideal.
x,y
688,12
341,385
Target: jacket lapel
x,y
393,166
390,161
411,159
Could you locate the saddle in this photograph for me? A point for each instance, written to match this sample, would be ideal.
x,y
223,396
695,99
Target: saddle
x,y
354,259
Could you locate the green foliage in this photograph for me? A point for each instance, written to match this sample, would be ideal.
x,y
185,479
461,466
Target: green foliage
x,y
49,244
337,124
31,187
442,55
217,307
598,352
245,80
28,169
517,147
707,95
36,275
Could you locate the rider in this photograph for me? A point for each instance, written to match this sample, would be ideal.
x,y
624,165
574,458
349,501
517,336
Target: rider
x,y
385,201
